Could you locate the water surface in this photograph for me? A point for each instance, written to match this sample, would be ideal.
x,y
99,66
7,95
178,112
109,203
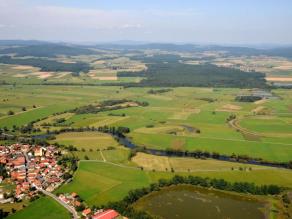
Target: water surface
x,y
191,202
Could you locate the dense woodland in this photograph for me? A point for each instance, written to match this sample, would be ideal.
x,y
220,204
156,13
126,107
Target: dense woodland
x,y
177,74
47,65
47,50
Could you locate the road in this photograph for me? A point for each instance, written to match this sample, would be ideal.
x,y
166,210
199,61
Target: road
x,y
70,209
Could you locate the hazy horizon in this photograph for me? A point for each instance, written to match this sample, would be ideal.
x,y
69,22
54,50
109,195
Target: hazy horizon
x,y
202,22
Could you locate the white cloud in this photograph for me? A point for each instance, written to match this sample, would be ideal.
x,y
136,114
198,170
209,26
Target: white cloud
x,y
27,19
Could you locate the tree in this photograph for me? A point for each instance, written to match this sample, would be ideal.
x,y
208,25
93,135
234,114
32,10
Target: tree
x,y
10,113
67,176
86,157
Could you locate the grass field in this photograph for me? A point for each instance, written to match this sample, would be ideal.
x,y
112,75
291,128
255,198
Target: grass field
x,y
170,120
99,182
86,140
45,208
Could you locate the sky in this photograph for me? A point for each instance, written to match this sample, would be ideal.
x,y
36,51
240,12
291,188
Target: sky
x,y
180,21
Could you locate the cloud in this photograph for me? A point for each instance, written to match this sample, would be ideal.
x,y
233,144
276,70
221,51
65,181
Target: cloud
x,y
131,26
27,19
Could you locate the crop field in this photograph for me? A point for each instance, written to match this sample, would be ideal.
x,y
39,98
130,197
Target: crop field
x,y
182,118
160,163
103,71
87,140
273,66
37,210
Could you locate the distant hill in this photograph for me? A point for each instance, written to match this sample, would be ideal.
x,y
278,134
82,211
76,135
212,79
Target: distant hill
x,y
47,50
21,42
48,65
230,50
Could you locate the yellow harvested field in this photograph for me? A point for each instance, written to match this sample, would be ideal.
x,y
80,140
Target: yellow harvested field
x,y
160,130
23,67
108,121
229,107
260,101
112,78
63,74
86,140
280,79
20,75
161,163
284,67
43,75
258,109
184,114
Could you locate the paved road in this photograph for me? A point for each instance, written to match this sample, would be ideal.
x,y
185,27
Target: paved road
x,y
70,209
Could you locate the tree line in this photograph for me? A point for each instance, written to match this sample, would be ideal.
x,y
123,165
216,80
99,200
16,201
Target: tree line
x,y
106,106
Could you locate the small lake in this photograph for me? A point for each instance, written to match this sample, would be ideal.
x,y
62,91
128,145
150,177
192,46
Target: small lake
x,y
188,202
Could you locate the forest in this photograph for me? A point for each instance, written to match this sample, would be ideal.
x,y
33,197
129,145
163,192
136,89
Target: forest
x,y
174,74
47,50
47,65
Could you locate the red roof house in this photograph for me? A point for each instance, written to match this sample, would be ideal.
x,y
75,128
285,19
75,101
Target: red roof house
x,y
108,214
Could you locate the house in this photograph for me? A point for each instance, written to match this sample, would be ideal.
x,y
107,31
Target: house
x,y
77,203
74,195
108,214
38,152
86,212
19,162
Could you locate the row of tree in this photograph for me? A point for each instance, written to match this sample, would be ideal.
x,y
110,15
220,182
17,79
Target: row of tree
x,y
106,106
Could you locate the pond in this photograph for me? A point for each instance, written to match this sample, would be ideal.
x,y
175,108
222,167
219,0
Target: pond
x,y
191,202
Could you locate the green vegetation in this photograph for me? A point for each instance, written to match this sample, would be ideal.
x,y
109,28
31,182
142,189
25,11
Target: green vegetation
x,y
98,182
86,140
47,50
45,208
179,75
47,65
182,103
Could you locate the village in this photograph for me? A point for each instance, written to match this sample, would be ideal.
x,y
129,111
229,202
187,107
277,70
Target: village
x,y
31,168
34,170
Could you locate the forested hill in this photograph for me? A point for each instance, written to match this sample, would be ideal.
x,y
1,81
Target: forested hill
x,y
48,65
179,74
230,50
47,50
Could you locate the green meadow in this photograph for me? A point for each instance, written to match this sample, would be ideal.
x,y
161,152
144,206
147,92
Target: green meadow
x,y
45,208
98,182
182,118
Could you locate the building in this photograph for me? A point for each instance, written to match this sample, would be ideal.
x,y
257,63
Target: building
x,y
86,212
38,152
108,214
